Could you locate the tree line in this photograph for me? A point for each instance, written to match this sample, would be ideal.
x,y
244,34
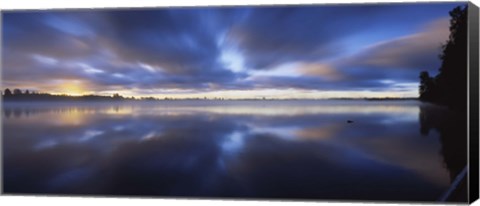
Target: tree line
x,y
27,95
449,86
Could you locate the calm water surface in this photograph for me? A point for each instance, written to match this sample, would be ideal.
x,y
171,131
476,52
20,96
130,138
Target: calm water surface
x,y
245,149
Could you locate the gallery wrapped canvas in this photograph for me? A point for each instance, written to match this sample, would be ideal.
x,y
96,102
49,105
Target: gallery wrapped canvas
x,y
324,102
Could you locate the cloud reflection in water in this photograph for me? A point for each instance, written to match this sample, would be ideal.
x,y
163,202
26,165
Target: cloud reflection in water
x,y
273,149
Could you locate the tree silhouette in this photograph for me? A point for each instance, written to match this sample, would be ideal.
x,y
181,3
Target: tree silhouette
x,y
17,92
427,87
449,86
7,92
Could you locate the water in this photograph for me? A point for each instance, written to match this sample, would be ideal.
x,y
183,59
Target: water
x,y
393,150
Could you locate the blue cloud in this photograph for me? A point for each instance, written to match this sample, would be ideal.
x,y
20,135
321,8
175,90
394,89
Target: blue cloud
x,y
219,47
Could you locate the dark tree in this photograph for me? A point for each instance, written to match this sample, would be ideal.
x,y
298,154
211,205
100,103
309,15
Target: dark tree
x,y
449,88
450,85
117,96
17,92
427,87
7,92
452,78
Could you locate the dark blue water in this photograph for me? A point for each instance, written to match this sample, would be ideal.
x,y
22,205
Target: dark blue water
x,y
242,149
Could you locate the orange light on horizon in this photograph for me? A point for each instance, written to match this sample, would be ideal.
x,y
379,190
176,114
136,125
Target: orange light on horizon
x,y
73,88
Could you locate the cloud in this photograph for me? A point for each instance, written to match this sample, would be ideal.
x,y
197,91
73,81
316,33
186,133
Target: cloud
x,y
386,64
273,36
415,51
29,32
324,71
270,37
116,47
228,48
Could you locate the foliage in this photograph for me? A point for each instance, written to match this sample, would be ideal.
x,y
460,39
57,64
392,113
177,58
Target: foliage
x,y
449,86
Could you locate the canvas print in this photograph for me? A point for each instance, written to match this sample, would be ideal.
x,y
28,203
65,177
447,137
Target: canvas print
x,y
355,102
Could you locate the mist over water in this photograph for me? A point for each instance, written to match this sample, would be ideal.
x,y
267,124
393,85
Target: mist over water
x,y
367,150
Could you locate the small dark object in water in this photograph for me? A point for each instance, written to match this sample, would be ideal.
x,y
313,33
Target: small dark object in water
x,y
349,121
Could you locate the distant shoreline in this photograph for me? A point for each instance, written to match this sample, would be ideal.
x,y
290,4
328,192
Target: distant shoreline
x,y
109,99
27,96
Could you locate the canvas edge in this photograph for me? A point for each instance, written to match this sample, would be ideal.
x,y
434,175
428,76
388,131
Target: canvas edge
x,y
473,81
1,104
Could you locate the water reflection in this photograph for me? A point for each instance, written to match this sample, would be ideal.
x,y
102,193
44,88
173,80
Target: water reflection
x,y
284,149
452,127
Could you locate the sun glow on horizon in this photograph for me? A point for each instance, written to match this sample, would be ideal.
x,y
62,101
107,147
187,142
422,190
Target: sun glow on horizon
x,y
72,88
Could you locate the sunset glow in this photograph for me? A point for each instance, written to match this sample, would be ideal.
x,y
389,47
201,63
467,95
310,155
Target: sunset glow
x,y
226,52
74,88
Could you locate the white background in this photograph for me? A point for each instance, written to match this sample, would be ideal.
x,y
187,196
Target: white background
x,y
77,201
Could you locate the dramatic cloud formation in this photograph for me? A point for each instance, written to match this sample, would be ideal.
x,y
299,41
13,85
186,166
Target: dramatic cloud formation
x,y
370,50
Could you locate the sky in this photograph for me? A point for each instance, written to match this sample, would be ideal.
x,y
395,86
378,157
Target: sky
x,y
322,51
